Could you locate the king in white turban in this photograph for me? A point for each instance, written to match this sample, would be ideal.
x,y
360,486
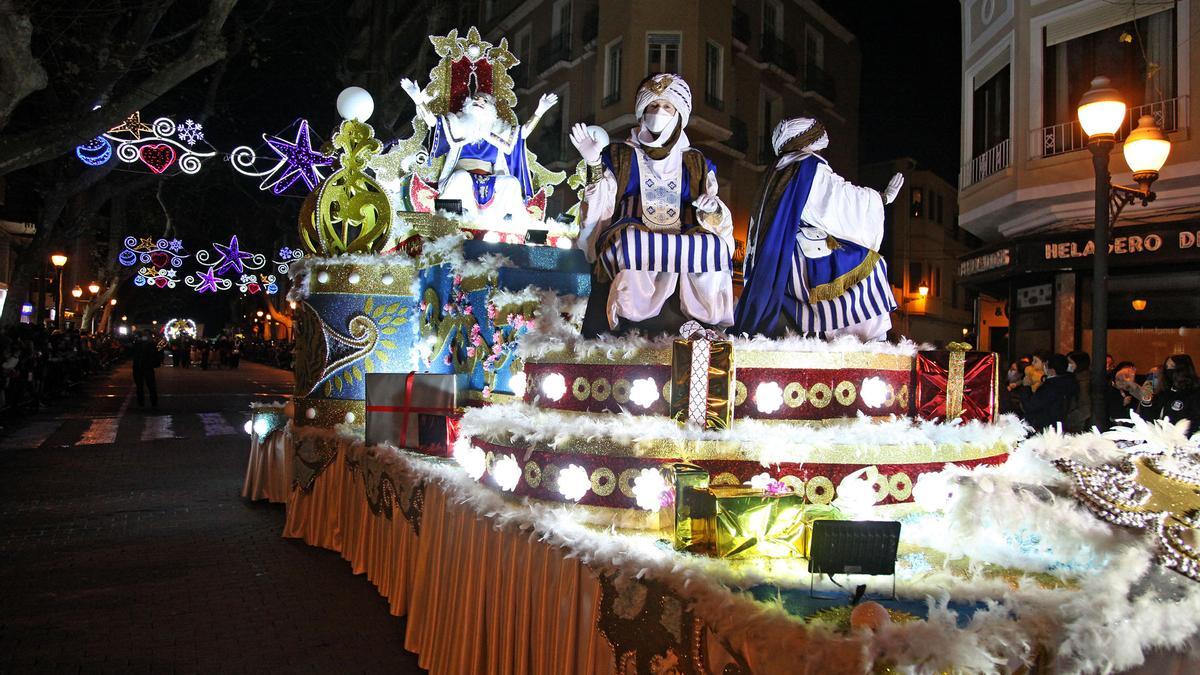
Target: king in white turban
x,y
660,240
812,261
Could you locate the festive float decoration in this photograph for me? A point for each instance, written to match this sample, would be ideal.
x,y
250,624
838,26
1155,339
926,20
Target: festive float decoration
x,y
158,147
349,212
296,162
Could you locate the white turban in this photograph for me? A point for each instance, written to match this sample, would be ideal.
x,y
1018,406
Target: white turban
x,y
789,129
668,87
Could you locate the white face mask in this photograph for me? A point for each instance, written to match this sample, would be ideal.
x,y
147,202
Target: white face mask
x,y
1070,367
656,122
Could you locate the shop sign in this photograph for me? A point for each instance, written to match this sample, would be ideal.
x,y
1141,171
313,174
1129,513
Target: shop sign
x,y
985,263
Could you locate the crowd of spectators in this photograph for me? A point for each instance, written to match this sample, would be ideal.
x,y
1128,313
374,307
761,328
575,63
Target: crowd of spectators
x,y
38,365
1049,390
277,353
223,351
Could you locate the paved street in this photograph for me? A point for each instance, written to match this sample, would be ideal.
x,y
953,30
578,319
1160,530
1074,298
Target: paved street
x,y
125,546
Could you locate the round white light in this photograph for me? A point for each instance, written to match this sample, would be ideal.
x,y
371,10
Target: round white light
x,y
648,489
354,278
573,482
355,103
768,397
873,392
598,133
323,277
249,426
517,383
1147,147
311,413
507,473
492,237
261,426
554,386
644,392
760,481
564,243
350,418
472,459
387,279
856,493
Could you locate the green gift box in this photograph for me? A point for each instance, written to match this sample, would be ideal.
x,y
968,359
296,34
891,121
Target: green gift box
x,y
691,507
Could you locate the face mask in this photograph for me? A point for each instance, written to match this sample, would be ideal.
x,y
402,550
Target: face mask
x,y
656,122
1070,367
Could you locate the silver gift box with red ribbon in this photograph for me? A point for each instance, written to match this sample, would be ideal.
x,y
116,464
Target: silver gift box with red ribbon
x,y
418,411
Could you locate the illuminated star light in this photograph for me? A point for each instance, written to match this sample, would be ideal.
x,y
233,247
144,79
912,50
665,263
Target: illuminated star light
x,y
132,125
300,158
231,257
208,281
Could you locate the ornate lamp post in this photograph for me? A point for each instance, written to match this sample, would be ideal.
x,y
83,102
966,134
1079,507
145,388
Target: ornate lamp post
x,y
1101,112
59,260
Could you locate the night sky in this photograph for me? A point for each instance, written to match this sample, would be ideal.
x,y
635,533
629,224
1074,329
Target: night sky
x,y
911,79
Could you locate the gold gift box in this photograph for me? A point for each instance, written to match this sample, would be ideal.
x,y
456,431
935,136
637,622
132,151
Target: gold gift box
x,y
719,399
741,522
686,478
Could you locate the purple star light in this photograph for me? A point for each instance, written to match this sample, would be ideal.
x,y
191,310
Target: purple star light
x,y
300,158
208,281
231,257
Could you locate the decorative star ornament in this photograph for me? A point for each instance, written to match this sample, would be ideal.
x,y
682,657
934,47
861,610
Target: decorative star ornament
x,y
133,126
299,158
231,257
208,281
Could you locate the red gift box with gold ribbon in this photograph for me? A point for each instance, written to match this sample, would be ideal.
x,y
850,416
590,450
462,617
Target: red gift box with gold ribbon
x,y
957,383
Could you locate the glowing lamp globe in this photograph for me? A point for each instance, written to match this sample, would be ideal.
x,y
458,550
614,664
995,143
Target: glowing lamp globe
x,y
93,288
1146,149
1101,110
1139,304
77,292
355,103
58,259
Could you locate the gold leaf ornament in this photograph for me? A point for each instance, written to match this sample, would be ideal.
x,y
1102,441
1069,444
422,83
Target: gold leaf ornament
x,y
349,212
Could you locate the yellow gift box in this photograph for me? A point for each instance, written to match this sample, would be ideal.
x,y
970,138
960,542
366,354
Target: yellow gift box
x,y
702,374
741,522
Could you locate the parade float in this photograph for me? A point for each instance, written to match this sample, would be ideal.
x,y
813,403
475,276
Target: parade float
x,y
546,471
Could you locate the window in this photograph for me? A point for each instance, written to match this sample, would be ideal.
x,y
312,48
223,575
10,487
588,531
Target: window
x,y
940,211
1137,56
915,272
937,282
561,18
612,73
917,201
772,18
772,113
662,53
814,47
990,113
714,74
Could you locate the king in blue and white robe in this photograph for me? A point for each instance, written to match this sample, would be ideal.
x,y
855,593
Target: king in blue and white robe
x,y
488,175
812,262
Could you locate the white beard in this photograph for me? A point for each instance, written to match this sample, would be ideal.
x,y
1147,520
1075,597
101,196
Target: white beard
x,y
476,124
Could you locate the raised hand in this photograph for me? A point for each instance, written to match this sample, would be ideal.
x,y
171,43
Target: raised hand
x,y
707,203
588,147
893,188
414,91
546,102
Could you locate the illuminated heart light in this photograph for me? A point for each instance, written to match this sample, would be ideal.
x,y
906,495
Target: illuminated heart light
x,y
252,288
160,259
159,156
161,282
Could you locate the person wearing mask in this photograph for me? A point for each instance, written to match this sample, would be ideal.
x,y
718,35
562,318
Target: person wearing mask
x,y
1125,392
1175,394
1079,417
146,357
1047,406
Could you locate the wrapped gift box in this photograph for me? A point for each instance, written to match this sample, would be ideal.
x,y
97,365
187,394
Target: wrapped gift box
x,y
702,378
689,481
741,522
957,383
418,411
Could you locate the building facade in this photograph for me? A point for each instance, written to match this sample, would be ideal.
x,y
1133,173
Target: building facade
x,y
1027,184
750,64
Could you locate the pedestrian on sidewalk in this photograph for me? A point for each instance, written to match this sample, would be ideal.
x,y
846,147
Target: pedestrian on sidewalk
x,y
146,357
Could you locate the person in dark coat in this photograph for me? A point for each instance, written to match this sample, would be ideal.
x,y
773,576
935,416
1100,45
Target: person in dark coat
x,y
1177,395
1049,404
1124,393
146,357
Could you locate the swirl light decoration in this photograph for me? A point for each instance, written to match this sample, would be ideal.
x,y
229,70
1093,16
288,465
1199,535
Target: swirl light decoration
x,y
161,253
263,283
158,147
287,256
294,161
231,258
177,328
207,282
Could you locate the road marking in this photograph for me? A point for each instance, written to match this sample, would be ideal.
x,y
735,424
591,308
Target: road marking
x,y
31,435
158,428
102,431
215,424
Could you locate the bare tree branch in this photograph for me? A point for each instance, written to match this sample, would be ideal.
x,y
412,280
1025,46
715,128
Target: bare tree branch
x,y
20,72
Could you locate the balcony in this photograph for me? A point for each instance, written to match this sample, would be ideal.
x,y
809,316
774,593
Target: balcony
x,y
993,160
556,49
1057,139
741,26
591,25
819,82
714,101
739,140
777,53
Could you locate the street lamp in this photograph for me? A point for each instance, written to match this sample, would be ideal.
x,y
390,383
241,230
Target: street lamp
x,y
93,288
77,292
1101,113
59,260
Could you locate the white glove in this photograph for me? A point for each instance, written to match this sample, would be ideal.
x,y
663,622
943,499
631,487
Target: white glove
x,y
546,102
588,147
707,203
893,188
414,91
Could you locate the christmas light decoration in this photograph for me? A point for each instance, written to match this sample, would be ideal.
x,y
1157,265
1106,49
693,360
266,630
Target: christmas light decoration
x,y
554,386
155,277
873,392
644,392
190,132
287,256
95,152
296,161
159,146
231,258
176,328
471,459
649,488
264,283
207,282
573,482
507,473
160,253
